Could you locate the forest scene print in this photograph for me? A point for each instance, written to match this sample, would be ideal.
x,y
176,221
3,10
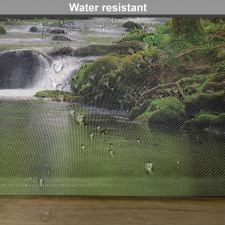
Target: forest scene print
x,y
112,106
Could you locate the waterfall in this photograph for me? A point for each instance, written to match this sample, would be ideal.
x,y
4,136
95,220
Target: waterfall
x,y
24,72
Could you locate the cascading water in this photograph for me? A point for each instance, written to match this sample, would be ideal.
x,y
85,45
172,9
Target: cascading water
x,y
25,72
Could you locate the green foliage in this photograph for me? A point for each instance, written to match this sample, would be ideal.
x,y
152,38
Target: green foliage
x,y
187,28
166,111
2,30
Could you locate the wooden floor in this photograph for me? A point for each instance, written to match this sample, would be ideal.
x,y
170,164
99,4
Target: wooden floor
x,y
107,211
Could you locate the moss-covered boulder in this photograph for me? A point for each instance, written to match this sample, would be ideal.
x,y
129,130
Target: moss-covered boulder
x,y
58,95
61,38
138,110
2,30
92,84
138,35
164,112
132,25
214,102
66,51
121,49
118,79
204,120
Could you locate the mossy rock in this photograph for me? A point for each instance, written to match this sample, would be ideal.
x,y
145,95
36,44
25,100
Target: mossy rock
x,y
205,101
132,25
58,95
33,29
117,79
60,38
140,35
66,51
120,49
2,30
138,110
204,120
213,86
58,31
90,74
164,112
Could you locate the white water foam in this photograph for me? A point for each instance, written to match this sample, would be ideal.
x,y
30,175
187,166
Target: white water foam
x,y
57,76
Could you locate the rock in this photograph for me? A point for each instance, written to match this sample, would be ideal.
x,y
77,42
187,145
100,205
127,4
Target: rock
x,y
67,51
132,25
205,101
121,48
75,26
21,68
58,31
33,29
60,38
166,111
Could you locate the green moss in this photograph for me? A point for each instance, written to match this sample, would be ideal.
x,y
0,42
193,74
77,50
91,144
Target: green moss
x,y
81,77
220,67
203,101
91,80
205,119
120,49
138,110
57,95
166,111
2,30
219,120
118,79
212,86
135,36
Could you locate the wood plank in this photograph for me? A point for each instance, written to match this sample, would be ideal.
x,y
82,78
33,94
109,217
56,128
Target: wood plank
x,y
110,211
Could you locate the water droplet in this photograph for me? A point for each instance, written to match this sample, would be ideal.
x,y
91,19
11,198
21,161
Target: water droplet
x,y
71,112
80,118
131,50
91,136
46,215
58,67
41,180
83,147
92,76
178,162
138,141
106,83
149,167
112,153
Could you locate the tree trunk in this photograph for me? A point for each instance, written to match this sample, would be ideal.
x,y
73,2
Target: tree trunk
x,y
186,26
